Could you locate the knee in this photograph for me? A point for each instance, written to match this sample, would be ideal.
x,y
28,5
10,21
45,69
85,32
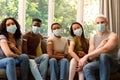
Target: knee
x,y
46,56
52,60
64,60
104,57
24,56
87,68
72,61
10,61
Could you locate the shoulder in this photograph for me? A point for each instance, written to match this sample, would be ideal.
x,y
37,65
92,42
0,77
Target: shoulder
x,y
50,40
27,33
93,36
2,36
113,35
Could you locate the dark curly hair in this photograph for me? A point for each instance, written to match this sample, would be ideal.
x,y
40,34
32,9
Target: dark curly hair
x,y
84,42
3,30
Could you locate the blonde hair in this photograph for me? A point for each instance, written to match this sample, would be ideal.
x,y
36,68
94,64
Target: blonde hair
x,y
101,16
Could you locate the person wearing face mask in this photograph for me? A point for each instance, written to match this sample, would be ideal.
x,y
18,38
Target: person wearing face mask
x,y
32,46
103,50
77,49
57,48
10,50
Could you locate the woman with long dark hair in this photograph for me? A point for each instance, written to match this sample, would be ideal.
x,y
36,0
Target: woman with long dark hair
x,y
10,49
77,49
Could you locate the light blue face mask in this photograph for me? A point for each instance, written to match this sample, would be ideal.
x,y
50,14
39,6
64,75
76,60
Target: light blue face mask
x,y
11,29
78,32
100,27
35,29
57,32
41,30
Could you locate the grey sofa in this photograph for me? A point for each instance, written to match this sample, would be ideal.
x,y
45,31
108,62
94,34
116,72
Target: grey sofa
x,y
114,76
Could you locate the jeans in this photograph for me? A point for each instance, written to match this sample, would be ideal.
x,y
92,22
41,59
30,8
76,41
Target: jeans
x,y
59,70
9,64
105,65
24,65
40,72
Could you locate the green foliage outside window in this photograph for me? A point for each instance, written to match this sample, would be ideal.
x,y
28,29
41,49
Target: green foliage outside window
x,y
65,13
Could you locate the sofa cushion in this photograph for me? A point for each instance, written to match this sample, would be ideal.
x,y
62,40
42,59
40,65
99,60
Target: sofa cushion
x,y
43,45
4,76
39,50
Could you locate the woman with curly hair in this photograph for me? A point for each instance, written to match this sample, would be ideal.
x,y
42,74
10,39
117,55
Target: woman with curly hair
x,y
10,50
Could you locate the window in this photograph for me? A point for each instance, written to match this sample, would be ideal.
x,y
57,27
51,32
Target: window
x,y
91,10
37,9
8,9
65,14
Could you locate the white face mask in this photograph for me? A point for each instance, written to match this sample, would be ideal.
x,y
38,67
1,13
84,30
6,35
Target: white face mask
x,y
101,27
78,32
12,29
35,29
57,32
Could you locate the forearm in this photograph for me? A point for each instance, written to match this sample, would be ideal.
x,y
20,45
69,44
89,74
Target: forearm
x,y
62,54
74,56
12,55
16,50
96,53
56,56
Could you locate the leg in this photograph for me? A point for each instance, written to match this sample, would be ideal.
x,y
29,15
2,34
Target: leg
x,y
64,69
90,69
43,67
107,64
81,75
54,69
73,64
34,70
9,64
24,66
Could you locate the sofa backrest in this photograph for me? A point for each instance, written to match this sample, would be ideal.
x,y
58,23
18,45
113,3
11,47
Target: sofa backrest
x,y
43,45
119,54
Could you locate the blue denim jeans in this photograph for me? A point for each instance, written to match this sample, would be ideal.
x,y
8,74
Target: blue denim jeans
x,y
105,65
9,64
59,70
43,61
23,62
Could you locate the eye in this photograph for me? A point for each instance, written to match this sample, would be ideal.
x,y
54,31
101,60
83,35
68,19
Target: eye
x,y
102,22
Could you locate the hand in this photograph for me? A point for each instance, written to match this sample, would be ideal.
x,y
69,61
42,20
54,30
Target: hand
x,y
83,61
81,53
11,45
78,68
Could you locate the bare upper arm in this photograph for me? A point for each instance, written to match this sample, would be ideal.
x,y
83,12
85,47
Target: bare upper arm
x,y
49,46
91,44
4,46
71,47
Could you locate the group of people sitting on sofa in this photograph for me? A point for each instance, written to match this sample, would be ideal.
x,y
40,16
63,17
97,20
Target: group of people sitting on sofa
x,y
88,56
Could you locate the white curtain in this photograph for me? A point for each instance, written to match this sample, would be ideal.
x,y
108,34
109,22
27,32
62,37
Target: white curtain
x,y
111,9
